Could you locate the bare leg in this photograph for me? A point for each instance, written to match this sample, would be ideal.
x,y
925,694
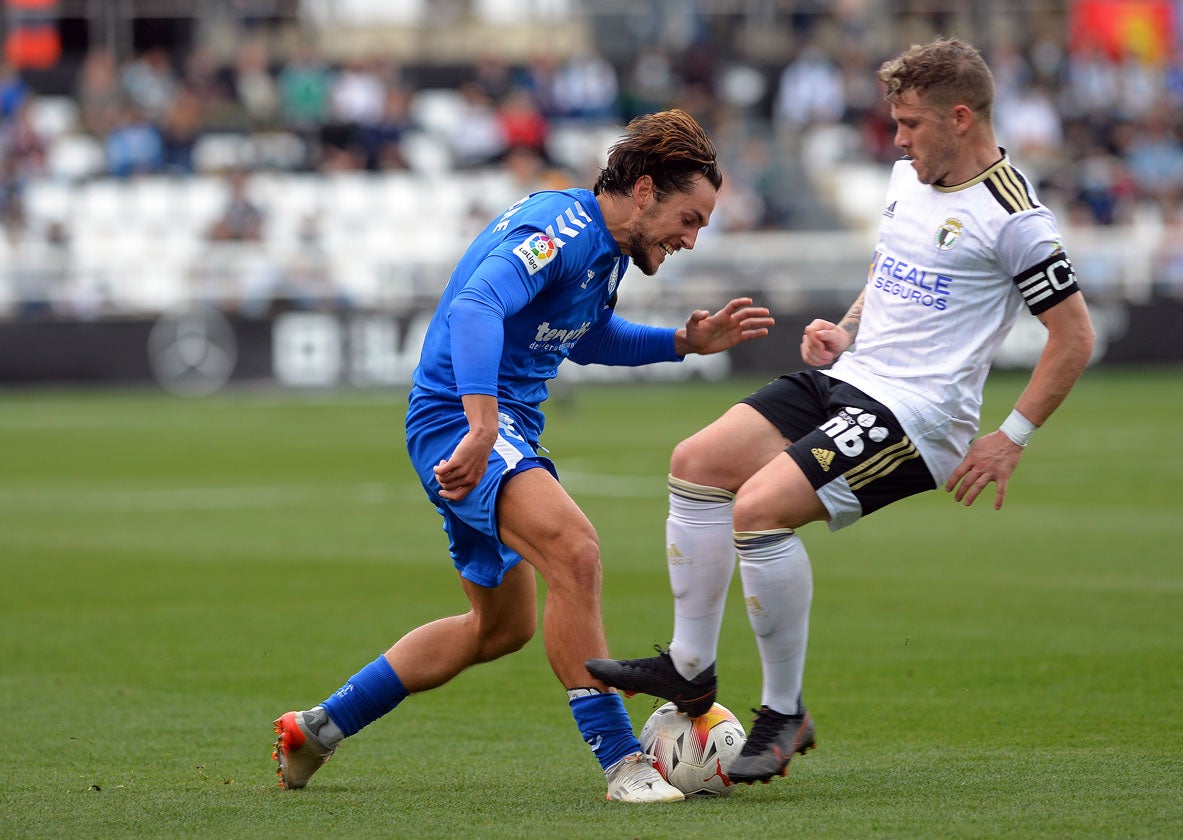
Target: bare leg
x,y
501,621
543,524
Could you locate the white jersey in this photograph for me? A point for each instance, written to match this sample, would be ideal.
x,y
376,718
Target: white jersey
x,y
952,267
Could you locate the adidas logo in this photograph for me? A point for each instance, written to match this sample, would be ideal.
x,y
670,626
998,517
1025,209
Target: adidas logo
x,y
824,457
755,607
675,557
890,211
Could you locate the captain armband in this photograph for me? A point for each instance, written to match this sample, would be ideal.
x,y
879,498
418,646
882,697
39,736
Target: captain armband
x,y
1018,428
1046,284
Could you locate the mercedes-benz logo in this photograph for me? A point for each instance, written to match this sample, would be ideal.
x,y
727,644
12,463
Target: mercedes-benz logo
x,y
192,351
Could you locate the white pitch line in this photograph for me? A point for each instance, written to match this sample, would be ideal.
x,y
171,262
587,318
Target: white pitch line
x,y
171,500
613,486
34,500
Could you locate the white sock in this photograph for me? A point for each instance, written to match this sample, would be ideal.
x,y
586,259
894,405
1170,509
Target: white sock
x,y
778,590
700,548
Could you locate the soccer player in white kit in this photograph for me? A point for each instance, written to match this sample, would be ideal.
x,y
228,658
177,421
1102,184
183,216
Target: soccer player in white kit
x,y
964,243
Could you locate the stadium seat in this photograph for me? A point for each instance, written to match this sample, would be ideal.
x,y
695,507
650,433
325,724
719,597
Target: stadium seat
x,y
53,116
48,201
75,157
426,153
216,152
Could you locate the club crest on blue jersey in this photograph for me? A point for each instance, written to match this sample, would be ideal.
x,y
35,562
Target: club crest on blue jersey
x,y
536,251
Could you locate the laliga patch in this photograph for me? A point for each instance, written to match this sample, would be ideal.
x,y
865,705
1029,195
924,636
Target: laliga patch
x,y
536,251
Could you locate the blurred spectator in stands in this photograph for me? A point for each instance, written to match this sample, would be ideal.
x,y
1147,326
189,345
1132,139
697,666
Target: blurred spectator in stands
x,y
586,88
210,84
1029,127
493,75
810,91
241,219
252,14
540,76
13,90
305,278
1047,54
529,172
860,86
1091,84
1168,259
1012,71
1172,78
304,83
477,139
254,85
37,265
21,145
521,123
382,142
180,127
134,145
758,169
1154,154
150,82
651,83
1103,184
740,206
12,194
357,101
98,92
1139,87
300,279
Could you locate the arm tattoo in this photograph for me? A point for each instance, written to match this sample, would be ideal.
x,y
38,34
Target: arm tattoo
x,y
853,317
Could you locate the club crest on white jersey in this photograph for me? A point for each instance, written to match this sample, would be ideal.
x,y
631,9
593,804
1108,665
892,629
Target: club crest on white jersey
x,y
949,233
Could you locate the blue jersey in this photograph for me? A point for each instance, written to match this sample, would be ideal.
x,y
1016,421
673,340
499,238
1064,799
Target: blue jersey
x,y
537,286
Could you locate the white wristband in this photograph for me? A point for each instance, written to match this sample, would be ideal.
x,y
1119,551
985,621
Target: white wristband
x,y
1018,428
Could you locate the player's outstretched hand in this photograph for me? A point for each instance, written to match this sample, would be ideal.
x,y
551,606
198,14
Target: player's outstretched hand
x,y
991,458
823,342
736,322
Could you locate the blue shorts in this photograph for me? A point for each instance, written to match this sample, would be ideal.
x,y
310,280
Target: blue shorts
x,y
433,432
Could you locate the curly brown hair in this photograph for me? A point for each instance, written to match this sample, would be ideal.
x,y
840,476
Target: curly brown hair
x,y
946,71
669,146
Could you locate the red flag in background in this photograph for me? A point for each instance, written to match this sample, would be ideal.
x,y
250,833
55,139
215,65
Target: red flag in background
x,y
31,37
1144,28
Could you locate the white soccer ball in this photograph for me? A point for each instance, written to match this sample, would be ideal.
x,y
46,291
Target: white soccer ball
x,y
692,753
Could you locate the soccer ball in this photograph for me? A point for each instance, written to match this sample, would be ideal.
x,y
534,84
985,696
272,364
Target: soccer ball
x,y
691,753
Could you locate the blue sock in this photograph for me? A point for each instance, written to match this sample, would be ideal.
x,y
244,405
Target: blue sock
x,y
370,693
605,726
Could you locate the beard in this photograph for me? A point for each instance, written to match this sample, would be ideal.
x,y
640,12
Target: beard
x,y
641,247
938,163
641,252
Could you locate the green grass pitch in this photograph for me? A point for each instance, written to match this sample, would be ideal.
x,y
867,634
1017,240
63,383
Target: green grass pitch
x,y
176,573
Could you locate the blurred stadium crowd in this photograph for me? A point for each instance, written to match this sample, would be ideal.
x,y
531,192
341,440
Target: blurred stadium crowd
x,y
287,173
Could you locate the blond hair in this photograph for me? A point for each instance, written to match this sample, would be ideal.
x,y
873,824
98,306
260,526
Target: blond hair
x,y
946,72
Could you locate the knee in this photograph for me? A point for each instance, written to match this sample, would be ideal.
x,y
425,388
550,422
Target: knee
x,y
515,637
508,637
573,568
753,513
687,462
582,564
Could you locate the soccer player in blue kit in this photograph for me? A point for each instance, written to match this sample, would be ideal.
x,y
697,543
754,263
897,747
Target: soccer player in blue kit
x,y
963,246
537,286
